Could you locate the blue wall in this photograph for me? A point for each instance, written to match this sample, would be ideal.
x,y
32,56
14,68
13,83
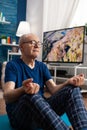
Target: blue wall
x,y
14,11
9,9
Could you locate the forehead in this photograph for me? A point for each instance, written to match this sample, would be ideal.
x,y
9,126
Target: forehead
x,y
26,38
32,37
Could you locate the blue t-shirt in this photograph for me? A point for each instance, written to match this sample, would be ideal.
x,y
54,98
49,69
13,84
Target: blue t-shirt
x,y
17,71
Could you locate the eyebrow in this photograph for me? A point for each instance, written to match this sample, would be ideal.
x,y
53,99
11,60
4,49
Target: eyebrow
x,y
30,41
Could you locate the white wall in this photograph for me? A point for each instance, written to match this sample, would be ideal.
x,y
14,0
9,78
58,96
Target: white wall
x,y
85,54
34,15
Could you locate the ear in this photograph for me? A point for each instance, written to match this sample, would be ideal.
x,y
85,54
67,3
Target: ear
x,y
21,47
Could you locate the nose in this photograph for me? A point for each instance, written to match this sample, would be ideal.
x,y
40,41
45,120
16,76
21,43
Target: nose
x,y
36,45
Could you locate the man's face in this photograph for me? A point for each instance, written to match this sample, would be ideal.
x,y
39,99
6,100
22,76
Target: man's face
x,y
31,47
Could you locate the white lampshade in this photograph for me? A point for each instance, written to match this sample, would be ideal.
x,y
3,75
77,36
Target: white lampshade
x,y
23,28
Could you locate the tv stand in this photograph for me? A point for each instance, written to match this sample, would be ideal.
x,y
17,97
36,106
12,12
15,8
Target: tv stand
x,y
69,71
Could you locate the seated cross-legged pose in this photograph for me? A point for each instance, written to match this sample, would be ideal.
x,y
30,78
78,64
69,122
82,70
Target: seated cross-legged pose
x,y
25,78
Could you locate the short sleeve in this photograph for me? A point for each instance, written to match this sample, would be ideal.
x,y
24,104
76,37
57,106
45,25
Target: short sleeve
x,y
46,72
10,72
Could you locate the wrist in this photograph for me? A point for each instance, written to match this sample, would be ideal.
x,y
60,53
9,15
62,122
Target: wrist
x,y
22,90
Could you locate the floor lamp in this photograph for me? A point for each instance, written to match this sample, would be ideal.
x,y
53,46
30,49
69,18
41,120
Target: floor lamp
x,y
23,28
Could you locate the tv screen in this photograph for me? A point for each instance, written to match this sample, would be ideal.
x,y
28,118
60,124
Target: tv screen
x,y
64,45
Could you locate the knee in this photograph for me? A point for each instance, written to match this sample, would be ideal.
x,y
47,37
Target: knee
x,y
32,97
75,91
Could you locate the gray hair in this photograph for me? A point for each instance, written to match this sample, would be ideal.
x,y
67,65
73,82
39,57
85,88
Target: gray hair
x,y
26,37
23,39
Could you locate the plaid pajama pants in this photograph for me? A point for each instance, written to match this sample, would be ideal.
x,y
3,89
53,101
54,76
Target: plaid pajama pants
x,y
46,112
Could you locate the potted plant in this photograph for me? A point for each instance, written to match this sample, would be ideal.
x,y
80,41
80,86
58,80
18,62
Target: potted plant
x,y
3,39
13,41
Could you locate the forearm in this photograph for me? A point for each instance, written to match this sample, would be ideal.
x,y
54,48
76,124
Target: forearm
x,y
52,87
13,94
59,86
75,81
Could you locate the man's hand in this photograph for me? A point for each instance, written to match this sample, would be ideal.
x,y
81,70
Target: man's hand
x,y
30,87
77,80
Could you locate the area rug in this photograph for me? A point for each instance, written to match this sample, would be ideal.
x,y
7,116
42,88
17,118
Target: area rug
x,y
5,125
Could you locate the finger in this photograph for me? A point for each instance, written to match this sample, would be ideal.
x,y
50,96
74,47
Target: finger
x,y
36,89
82,81
29,90
27,81
74,81
79,80
81,75
32,88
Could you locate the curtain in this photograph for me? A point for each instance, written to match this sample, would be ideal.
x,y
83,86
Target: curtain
x,y
58,14
80,17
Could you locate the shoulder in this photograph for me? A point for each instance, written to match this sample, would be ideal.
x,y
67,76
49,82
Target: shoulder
x,y
13,63
40,64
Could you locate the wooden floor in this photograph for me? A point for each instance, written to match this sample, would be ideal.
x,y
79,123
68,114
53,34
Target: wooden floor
x,y
2,107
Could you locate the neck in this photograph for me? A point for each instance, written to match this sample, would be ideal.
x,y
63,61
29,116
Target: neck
x,y
29,62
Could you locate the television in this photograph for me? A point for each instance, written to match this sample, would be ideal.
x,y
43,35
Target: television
x,y
64,45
